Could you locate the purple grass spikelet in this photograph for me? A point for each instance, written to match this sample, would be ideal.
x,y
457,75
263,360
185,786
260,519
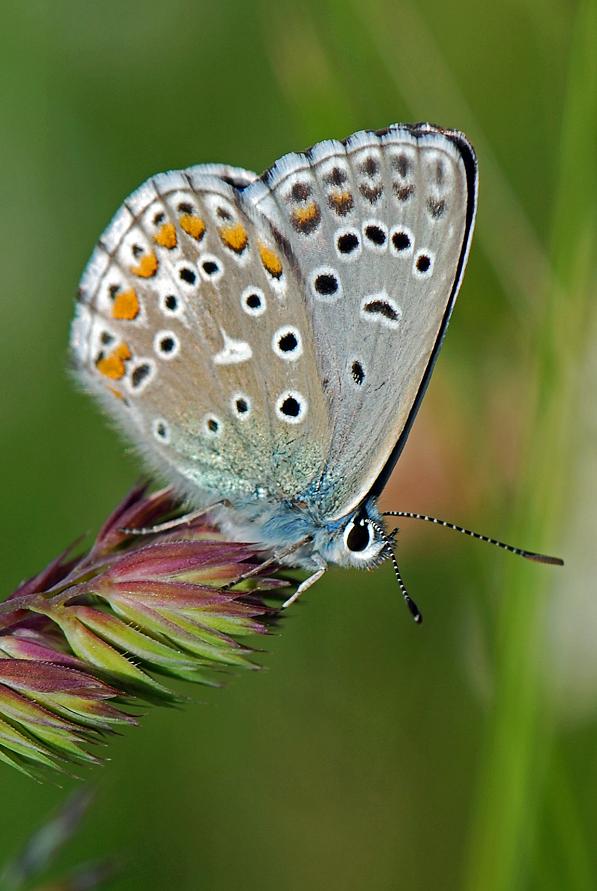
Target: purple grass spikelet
x,y
95,634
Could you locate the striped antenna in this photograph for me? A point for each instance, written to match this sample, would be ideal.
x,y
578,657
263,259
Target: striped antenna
x,y
529,555
414,609
389,539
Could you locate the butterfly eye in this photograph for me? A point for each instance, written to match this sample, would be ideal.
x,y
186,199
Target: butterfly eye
x,y
357,536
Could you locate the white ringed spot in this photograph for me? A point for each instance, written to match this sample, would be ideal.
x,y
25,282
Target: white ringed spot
x,y
141,374
212,426
171,304
381,309
166,344
161,430
325,284
211,268
186,276
287,343
423,265
375,235
348,244
291,407
241,405
402,241
253,301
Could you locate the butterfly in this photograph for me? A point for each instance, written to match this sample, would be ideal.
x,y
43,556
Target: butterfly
x,y
266,341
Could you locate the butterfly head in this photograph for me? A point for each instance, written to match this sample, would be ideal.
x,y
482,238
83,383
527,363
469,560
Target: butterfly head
x,y
360,540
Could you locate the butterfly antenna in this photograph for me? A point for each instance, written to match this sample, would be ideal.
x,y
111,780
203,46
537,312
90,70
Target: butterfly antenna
x,y
529,555
389,539
414,609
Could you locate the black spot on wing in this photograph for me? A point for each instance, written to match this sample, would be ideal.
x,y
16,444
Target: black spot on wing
x,y
381,308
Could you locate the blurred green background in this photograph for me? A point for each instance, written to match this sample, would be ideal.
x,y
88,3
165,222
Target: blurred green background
x,y
370,754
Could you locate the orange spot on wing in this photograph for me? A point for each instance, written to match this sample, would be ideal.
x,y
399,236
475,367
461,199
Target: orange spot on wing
x,y
193,226
126,306
306,214
342,202
166,237
270,260
112,366
147,266
234,237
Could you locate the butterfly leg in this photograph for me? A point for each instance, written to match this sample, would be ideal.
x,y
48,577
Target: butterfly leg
x,y
274,560
177,521
307,583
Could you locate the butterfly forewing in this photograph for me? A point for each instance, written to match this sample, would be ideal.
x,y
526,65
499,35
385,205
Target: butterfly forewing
x,y
379,228
191,329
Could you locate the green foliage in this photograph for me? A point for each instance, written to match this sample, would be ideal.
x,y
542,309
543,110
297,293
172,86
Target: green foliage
x,y
37,858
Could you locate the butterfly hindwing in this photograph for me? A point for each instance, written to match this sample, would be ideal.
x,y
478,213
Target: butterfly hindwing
x,y
379,227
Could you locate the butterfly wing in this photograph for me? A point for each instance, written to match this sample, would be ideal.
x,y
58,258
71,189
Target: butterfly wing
x,y
191,330
379,227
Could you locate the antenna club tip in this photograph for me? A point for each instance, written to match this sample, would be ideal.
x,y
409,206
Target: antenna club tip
x,y
414,610
544,558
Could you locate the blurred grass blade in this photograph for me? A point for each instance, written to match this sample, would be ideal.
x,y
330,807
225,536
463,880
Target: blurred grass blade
x,y
511,793
44,845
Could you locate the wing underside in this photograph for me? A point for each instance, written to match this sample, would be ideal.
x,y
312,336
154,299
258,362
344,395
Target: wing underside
x,y
273,335
380,227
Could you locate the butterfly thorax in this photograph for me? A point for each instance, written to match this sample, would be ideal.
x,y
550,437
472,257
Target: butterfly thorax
x,y
357,539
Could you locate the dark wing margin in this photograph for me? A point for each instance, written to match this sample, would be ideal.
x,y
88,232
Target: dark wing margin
x,y
469,160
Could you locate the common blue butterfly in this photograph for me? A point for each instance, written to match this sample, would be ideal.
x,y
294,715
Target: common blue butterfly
x,y
266,341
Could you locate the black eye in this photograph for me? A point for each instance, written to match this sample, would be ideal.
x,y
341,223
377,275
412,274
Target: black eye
x,y
359,536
